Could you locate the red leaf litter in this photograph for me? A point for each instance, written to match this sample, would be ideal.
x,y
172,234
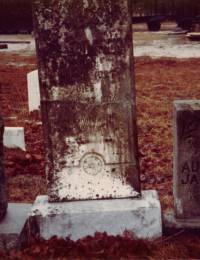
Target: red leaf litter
x,y
158,83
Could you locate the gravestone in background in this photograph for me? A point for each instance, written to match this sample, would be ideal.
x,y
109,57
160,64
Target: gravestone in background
x,y
14,137
187,159
3,195
85,60
33,91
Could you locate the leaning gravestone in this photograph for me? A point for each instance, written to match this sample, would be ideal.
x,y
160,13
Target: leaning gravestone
x,y
85,61
87,98
3,195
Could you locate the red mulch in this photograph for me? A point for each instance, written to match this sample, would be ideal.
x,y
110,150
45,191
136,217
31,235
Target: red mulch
x,y
158,83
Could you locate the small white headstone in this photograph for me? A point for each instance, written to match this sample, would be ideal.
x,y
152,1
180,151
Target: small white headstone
x,y
14,137
33,91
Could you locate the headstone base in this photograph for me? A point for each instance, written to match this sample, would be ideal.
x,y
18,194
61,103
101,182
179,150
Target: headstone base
x,y
141,216
12,225
170,221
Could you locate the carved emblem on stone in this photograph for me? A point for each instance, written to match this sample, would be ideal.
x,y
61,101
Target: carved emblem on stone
x,y
92,163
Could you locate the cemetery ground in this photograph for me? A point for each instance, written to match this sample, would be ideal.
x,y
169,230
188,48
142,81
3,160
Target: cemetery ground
x,y
158,83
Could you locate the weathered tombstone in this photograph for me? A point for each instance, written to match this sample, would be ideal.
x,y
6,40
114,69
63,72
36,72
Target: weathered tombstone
x,y
186,167
3,195
85,62
87,98
33,91
187,159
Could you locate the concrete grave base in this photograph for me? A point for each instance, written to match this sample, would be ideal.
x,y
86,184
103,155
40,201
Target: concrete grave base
x,y
77,219
170,221
12,225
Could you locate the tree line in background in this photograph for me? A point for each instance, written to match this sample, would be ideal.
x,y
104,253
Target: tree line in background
x,y
177,8
16,15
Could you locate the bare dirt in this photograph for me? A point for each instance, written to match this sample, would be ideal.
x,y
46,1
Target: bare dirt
x,y
158,83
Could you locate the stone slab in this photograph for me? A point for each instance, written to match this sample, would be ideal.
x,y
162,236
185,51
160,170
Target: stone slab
x,y
14,138
77,219
12,224
186,174
33,91
170,221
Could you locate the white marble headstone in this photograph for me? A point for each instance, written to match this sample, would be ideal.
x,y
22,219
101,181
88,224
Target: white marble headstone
x,y
14,137
33,91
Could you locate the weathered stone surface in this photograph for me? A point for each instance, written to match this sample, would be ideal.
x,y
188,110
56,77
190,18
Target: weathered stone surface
x,y
3,194
86,78
33,90
172,222
187,159
14,137
78,219
84,49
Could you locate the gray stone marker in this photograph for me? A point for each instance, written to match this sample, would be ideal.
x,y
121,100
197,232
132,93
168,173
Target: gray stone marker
x,y
186,182
3,194
85,59
187,158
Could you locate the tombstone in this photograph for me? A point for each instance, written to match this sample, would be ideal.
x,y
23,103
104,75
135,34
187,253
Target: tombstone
x,y
3,195
187,159
33,91
14,137
186,168
85,62
87,99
